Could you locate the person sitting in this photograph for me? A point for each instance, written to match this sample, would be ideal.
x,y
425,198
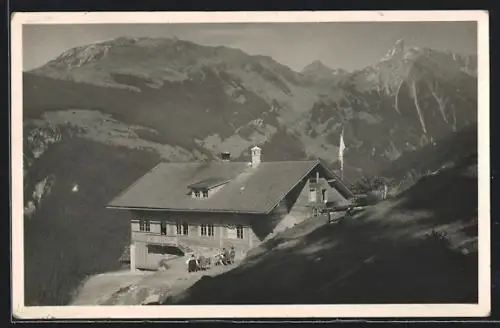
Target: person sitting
x,y
223,256
227,258
232,255
218,259
203,265
207,262
198,263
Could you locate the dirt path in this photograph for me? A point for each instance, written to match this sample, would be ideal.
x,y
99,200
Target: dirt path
x,y
155,288
134,288
98,288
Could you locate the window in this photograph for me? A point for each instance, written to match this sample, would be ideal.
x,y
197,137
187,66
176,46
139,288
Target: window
x,y
200,194
163,228
182,229
144,225
207,230
235,232
312,195
313,180
239,232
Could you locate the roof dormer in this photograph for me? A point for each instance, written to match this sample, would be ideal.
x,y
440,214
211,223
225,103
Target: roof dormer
x,y
206,187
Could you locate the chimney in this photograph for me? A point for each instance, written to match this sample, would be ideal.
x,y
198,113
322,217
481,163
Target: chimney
x,y
256,152
225,156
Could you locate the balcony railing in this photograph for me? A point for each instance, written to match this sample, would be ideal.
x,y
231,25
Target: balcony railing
x,y
155,238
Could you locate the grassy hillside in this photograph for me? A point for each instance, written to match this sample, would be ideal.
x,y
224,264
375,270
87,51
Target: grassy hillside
x,y
178,111
432,157
72,235
418,248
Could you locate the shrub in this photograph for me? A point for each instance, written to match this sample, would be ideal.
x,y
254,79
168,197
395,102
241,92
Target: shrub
x,y
439,238
368,199
369,184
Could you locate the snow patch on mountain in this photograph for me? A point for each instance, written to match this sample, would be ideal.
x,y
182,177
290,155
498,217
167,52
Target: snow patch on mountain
x,y
397,50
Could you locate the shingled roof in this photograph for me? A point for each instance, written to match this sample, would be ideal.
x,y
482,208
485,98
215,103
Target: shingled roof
x,y
249,190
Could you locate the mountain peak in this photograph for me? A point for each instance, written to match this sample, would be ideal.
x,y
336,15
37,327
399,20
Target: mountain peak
x,y
79,56
396,51
316,65
319,69
90,53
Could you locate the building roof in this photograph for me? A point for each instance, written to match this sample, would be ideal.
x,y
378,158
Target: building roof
x,y
249,190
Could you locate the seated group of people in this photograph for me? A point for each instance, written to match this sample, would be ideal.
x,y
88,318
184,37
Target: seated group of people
x,y
225,257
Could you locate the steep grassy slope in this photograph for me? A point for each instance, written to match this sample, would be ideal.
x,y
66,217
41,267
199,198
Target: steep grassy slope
x,y
72,235
433,156
387,254
180,112
403,172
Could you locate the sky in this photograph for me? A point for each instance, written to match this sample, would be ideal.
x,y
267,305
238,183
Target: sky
x,y
347,45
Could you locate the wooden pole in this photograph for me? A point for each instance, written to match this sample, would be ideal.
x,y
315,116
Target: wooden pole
x,y
132,257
